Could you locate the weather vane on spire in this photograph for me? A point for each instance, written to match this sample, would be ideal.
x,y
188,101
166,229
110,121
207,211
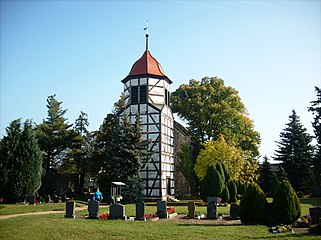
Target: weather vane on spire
x,y
146,30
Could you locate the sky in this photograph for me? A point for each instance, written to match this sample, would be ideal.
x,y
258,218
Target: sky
x,y
270,51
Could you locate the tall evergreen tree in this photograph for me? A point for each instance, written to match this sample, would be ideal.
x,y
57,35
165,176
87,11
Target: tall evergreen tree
x,y
121,151
212,184
316,111
55,137
20,162
265,178
295,151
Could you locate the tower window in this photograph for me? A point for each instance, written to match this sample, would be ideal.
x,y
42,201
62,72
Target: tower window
x,y
143,94
134,95
167,97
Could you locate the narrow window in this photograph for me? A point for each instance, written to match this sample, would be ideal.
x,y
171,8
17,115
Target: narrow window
x,y
134,95
143,94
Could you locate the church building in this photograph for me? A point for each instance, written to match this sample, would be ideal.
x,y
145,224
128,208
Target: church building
x,y
146,91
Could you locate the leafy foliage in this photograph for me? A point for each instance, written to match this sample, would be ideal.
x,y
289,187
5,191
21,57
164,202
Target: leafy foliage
x,y
286,204
253,205
185,164
295,151
21,160
233,192
212,109
212,184
216,151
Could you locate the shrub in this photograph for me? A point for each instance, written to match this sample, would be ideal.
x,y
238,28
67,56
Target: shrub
x,y
286,204
212,184
253,205
233,191
225,195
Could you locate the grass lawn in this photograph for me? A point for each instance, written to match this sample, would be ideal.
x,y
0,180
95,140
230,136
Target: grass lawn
x,y
55,226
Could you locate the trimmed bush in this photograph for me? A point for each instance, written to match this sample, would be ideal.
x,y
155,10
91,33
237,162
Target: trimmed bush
x,y
233,192
286,204
225,195
253,205
212,184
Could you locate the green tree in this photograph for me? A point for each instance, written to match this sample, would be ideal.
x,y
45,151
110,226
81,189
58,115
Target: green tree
x,y
20,162
316,111
295,151
286,204
219,151
253,205
121,152
233,192
55,137
212,184
185,164
212,109
265,179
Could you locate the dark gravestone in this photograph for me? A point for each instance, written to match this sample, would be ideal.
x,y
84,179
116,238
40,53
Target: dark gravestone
x,y
31,199
117,211
55,198
93,209
315,214
140,210
234,211
47,199
191,210
212,208
70,209
161,209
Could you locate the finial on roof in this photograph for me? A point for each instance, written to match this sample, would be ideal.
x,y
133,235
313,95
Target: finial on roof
x,y
146,30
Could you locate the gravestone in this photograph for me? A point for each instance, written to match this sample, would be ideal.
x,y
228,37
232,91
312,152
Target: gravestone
x,y
93,209
212,207
315,214
70,209
140,210
191,210
234,211
47,199
55,198
117,211
31,199
161,209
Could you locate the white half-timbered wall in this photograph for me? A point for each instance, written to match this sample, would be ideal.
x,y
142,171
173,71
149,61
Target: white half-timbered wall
x,y
157,125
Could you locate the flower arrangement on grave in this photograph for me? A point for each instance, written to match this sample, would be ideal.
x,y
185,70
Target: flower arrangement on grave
x,y
103,216
150,216
280,229
170,210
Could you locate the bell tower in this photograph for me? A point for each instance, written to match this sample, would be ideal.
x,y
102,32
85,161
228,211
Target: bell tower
x,y
146,91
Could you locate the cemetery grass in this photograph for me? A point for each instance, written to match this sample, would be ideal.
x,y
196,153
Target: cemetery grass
x,y
55,226
8,209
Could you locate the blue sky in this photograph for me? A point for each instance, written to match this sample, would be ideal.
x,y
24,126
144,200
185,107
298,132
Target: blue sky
x,y
270,51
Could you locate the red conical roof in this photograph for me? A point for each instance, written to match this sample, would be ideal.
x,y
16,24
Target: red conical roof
x,y
146,65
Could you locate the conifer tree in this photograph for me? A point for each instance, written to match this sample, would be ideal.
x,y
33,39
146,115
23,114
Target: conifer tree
x,y
55,137
295,151
286,204
212,184
316,111
265,178
20,162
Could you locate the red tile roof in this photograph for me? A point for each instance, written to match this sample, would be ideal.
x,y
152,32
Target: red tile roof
x,y
147,65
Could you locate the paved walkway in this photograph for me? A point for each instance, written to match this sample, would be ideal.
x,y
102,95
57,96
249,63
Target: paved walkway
x,y
43,213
